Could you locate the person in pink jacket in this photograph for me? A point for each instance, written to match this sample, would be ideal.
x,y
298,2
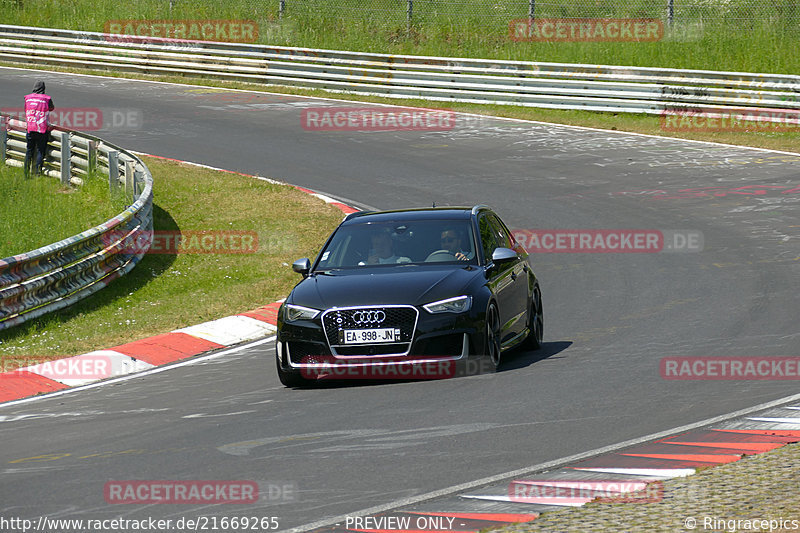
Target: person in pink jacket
x,y
37,114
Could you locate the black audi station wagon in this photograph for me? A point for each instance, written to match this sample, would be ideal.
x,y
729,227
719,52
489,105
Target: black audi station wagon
x,y
409,287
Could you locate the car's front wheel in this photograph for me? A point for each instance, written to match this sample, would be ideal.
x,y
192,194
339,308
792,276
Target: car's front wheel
x,y
492,335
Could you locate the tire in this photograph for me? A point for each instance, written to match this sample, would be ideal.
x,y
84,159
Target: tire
x,y
289,378
491,342
535,321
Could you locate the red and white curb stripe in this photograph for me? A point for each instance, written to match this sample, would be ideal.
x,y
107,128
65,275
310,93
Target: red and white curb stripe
x,y
154,351
630,475
139,355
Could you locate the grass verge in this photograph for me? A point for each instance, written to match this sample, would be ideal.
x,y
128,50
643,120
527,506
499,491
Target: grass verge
x,y
170,291
741,35
39,211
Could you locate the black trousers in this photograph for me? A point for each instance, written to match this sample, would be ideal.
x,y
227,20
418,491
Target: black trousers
x,y
37,143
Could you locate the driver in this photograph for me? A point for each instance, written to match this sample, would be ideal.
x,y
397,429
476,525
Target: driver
x,y
382,251
452,242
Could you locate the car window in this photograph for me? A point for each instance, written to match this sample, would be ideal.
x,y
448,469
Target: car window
x,y
399,242
334,254
488,237
502,237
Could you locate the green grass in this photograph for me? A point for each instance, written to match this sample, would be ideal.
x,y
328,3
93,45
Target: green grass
x,y
165,292
39,211
717,34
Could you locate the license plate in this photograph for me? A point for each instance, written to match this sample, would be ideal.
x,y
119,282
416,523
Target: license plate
x,y
366,336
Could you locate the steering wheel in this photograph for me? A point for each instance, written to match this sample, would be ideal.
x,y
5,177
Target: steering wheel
x,y
440,256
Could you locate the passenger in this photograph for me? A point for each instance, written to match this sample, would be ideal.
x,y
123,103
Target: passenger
x,y
382,251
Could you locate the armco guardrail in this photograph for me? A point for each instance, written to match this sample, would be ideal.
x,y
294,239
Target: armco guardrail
x,y
548,85
58,275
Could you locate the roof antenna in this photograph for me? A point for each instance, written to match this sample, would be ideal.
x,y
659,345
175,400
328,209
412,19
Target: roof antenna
x,y
434,203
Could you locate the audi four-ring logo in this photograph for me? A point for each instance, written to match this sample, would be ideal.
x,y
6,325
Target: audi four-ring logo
x,y
369,317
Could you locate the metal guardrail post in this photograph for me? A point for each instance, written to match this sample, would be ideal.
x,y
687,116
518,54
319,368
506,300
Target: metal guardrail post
x,y
410,12
138,179
113,171
66,158
3,140
92,156
129,190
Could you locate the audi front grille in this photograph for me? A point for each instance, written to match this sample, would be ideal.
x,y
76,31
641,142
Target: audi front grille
x,y
402,317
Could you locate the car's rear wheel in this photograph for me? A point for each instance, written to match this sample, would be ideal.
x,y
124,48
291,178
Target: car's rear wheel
x,y
535,321
492,336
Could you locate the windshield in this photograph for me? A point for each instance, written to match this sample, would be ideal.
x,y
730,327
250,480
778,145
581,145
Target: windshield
x,y
394,243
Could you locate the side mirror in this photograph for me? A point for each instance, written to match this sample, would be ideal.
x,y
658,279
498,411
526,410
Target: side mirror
x,y
302,266
503,255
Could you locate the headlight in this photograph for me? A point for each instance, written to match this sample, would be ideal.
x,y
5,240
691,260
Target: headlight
x,y
298,312
459,304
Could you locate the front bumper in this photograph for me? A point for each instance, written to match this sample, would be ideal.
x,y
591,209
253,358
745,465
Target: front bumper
x,y
304,360
305,344
375,368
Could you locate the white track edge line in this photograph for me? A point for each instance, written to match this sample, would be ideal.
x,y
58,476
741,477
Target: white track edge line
x,y
168,366
315,193
541,466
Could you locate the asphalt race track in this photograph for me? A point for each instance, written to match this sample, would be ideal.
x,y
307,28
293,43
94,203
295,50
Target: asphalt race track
x,y
609,318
